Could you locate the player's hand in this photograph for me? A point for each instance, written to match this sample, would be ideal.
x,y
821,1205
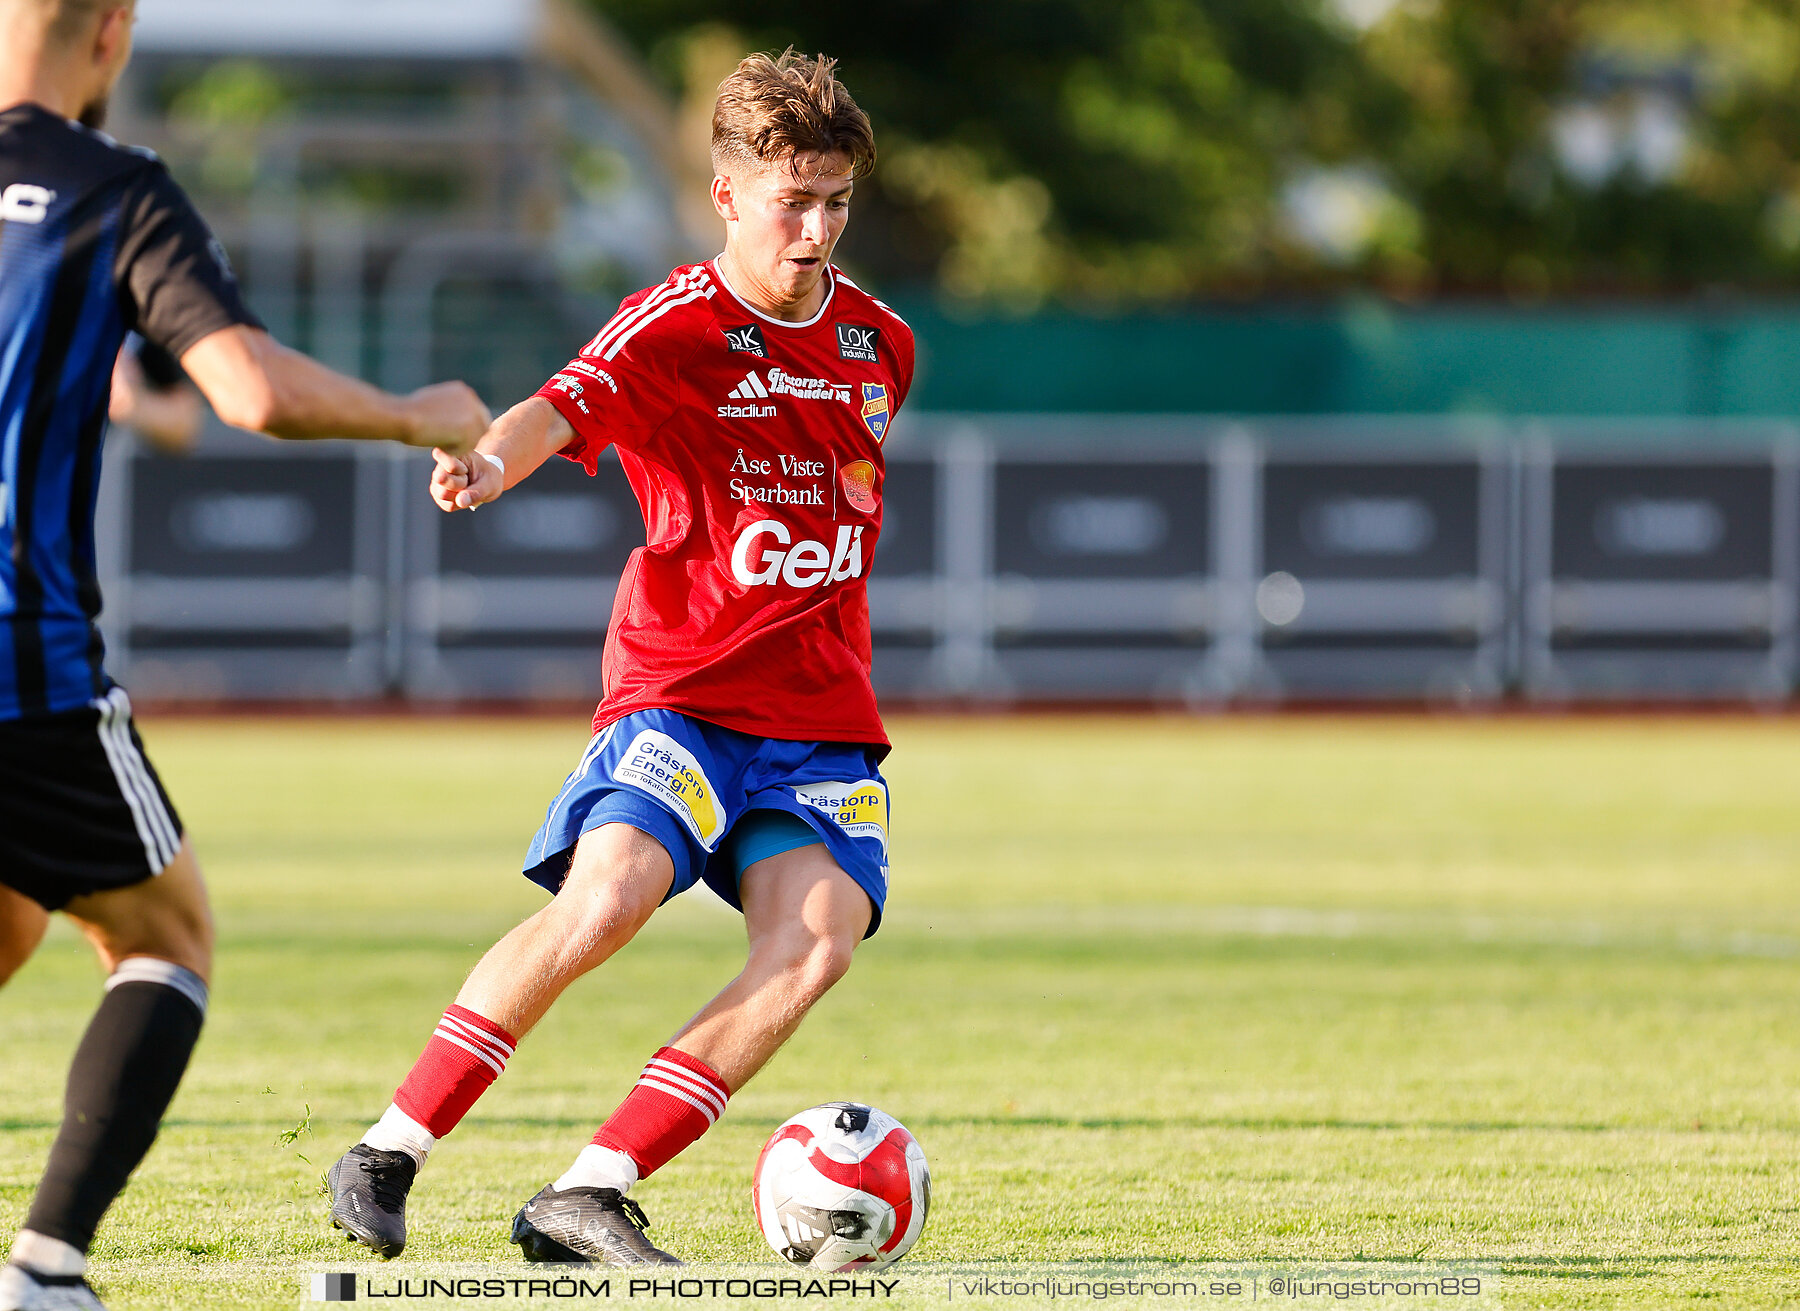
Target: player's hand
x,y
448,415
462,482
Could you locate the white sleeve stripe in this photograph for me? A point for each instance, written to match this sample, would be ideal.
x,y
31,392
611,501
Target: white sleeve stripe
x,y
471,1048
670,1073
619,342
623,320
481,1036
145,809
624,316
710,1112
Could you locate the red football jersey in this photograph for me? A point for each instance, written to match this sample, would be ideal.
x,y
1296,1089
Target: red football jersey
x,y
754,448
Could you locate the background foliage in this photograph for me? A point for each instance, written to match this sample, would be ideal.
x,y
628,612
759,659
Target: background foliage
x,y
1119,152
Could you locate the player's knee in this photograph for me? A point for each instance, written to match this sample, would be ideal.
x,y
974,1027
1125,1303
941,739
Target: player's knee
x,y
599,919
820,962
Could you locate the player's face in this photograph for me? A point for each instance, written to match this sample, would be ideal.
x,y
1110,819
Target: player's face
x,y
782,223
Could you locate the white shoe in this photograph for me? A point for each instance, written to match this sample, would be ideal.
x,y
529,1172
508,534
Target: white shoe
x,y
27,1290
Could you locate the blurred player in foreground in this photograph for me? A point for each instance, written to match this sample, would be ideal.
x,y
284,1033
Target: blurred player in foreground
x,y
97,241
738,742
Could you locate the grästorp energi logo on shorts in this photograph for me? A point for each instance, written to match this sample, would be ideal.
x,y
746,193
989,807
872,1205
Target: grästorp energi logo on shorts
x,y
668,771
860,808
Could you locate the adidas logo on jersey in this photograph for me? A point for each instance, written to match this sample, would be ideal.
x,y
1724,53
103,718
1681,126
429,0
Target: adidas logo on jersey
x,y
750,389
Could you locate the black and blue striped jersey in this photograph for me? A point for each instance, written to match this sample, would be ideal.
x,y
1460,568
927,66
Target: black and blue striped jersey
x,y
96,241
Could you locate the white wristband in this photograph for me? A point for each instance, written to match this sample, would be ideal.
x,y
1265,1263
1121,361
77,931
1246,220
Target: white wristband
x,y
494,460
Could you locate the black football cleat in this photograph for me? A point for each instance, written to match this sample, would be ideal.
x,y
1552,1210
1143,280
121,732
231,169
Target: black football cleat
x,y
368,1197
22,1289
600,1226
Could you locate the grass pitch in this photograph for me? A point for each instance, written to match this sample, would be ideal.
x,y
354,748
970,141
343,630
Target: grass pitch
x,y
1519,992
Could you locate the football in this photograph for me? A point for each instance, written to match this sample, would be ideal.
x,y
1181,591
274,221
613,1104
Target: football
x,y
841,1186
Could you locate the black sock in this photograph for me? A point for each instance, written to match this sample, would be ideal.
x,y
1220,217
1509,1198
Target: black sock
x,y
124,1073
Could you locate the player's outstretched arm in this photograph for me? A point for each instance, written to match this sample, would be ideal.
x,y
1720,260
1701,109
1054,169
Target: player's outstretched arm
x,y
507,454
255,382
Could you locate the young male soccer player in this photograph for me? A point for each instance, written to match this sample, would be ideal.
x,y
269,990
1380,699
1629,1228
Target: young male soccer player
x,y
96,241
738,740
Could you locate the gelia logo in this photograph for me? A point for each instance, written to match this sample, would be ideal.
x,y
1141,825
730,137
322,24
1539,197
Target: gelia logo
x,y
798,564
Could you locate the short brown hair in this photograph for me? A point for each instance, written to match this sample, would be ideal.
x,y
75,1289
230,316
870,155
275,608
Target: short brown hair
x,y
787,107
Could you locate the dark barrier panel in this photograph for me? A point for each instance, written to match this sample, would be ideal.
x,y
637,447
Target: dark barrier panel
x,y
225,517
909,520
904,595
249,576
522,589
1658,578
1372,521
1101,576
560,523
1376,581
1688,522
1101,519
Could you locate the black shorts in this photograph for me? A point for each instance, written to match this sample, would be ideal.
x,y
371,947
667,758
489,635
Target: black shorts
x,y
81,810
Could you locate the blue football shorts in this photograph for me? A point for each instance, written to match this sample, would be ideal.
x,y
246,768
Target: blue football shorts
x,y
719,801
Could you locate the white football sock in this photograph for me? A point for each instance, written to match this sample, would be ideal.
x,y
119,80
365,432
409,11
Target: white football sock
x,y
600,1167
46,1255
396,1131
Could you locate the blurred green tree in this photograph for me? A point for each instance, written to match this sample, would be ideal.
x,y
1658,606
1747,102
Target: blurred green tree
x,y
1132,152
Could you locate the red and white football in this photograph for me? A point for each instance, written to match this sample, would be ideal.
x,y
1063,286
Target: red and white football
x,y
842,1186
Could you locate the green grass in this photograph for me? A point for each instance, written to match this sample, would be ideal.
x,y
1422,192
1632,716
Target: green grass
x,y
1516,992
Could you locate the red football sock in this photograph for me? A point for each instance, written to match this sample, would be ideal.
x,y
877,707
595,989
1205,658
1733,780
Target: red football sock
x,y
464,1056
676,1099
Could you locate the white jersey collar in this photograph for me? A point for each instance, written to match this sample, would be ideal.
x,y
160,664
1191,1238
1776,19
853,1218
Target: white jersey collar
x,y
717,266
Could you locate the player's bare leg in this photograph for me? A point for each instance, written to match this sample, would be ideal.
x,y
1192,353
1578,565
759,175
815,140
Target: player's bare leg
x,y
22,925
617,878
155,939
804,916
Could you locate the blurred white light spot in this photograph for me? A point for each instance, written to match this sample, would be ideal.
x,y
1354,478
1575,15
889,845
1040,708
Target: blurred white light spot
x,y
1101,525
1638,525
1658,138
1363,14
233,521
1645,133
1336,212
1368,525
1280,598
540,522
1587,143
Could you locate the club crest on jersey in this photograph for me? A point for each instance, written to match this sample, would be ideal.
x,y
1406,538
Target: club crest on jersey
x,y
875,409
857,341
747,340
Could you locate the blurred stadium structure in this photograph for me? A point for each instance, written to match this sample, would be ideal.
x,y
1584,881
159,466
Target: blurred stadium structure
x,y
1355,502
